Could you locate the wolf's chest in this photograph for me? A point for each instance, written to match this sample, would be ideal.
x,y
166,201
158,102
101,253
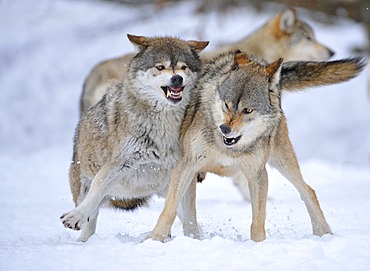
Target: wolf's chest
x,y
160,138
221,165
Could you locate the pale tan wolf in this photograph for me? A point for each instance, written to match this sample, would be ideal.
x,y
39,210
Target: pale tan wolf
x,y
284,36
127,144
235,125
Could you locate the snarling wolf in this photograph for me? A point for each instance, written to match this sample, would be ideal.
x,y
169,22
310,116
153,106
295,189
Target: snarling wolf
x,y
235,126
127,144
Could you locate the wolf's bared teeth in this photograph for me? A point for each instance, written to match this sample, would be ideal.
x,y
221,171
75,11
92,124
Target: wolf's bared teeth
x,y
176,94
230,141
173,94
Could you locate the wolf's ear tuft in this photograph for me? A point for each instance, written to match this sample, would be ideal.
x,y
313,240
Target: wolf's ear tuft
x,y
197,46
273,71
140,42
241,58
287,20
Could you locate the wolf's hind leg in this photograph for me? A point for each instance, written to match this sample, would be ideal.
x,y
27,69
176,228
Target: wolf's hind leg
x,y
284,159
188,214
241,183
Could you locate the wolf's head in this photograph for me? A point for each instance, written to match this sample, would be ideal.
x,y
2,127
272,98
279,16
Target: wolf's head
x,y
248,101
165,69
296,39
247,104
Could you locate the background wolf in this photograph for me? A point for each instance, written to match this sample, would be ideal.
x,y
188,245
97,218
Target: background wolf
x,y
235,125
284,36
126,146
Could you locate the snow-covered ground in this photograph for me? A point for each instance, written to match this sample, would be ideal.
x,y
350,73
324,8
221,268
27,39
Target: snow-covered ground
x,y
47,48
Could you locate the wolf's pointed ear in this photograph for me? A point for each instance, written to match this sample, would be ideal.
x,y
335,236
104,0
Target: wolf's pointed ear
x,y
287,19
241,58
273,71
197,46
140,42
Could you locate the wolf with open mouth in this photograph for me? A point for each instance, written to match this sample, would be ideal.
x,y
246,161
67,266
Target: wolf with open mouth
x,y
127,144
235,125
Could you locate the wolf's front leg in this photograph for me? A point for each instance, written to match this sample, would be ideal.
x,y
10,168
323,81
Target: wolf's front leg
x,y
182,176
89,228
84,216
258,186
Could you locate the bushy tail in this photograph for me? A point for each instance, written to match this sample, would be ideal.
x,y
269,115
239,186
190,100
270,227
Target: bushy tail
x,y
129,204
298,75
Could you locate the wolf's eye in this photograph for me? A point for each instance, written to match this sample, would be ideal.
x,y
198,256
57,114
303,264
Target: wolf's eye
x,y
160,67
247,111
184,67
308,38
226,106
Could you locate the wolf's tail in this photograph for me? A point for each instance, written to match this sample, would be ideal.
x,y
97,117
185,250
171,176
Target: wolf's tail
x,y
129,204
297,75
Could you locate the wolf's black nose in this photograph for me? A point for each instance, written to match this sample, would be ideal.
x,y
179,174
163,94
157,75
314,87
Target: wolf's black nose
x,y
176,80
225,129
331,53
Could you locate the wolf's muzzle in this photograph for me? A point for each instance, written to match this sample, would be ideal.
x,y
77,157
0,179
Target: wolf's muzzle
x,y
173,92
228,141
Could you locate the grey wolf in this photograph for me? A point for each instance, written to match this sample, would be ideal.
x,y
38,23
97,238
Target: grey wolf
x,y
284,36
127,144
235,126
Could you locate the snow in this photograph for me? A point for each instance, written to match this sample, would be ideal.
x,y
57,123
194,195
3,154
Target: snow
x,y
46,50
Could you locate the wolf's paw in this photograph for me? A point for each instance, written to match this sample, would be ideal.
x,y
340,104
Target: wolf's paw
x,y
193,230
156,237
321,230
74,220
